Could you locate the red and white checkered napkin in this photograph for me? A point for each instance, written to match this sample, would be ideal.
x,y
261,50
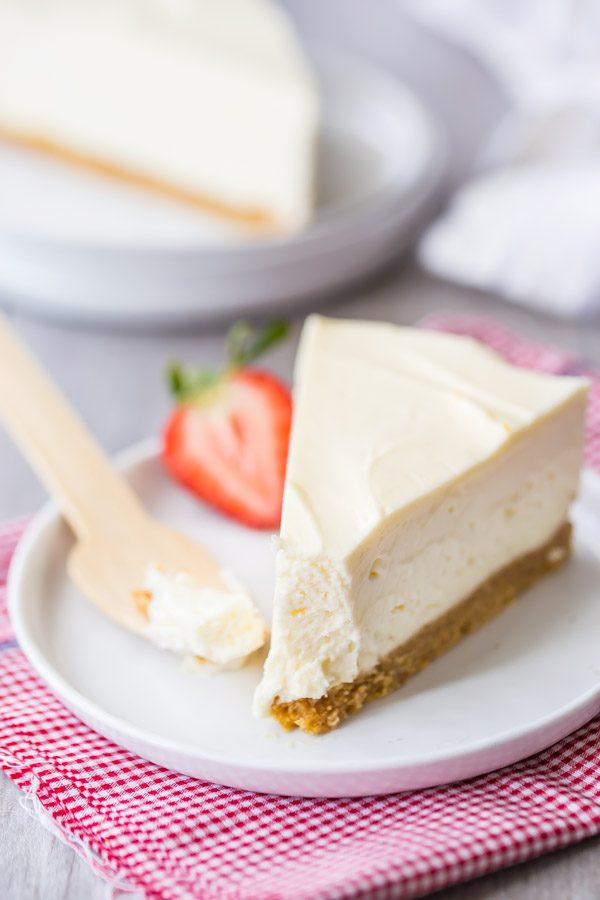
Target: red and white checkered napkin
x,y
145,827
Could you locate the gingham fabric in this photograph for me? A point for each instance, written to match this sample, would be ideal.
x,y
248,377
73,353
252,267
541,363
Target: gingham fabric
x,y
143,827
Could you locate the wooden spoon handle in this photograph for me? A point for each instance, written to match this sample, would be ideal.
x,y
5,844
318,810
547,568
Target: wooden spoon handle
x,y
57,444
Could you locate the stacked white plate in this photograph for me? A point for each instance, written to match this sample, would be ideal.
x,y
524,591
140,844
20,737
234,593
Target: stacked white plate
x,y
84,247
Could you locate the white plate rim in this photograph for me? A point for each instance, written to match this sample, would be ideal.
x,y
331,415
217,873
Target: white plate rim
x,y
506,746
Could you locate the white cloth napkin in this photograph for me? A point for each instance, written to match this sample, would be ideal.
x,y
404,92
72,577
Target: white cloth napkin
x,y
528,225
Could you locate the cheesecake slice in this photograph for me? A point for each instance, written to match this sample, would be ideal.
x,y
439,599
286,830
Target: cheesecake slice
x,y
428,484
211,102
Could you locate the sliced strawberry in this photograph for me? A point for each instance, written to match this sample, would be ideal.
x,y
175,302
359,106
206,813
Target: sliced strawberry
x,y
227,440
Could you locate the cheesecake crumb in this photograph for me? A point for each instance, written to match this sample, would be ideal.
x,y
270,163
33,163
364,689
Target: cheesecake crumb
x,y
142,600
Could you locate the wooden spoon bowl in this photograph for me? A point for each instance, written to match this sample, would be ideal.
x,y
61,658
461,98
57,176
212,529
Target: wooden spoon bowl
x,y
116,539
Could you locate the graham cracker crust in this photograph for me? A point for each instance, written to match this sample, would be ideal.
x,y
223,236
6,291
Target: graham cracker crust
x,y
252,219
489,599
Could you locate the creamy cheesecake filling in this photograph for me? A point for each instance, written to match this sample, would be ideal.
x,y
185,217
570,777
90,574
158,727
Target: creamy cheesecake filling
x,y
214,100
221,627
493,596
335,619
420,466
385,415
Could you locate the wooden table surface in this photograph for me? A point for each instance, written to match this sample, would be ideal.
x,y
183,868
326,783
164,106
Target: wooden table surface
x,y
124,402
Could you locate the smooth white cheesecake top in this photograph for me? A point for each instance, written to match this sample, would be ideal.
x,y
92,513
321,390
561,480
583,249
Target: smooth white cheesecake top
x,y
257,30
385,415
214,97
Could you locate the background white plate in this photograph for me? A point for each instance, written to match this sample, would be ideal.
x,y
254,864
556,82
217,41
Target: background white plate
x,y
523,682
77,245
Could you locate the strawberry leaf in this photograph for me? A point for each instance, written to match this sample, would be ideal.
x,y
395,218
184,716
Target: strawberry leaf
x,y
189,383
246,343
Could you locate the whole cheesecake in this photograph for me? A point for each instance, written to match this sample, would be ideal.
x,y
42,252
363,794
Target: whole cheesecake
x,y
428,484
209,101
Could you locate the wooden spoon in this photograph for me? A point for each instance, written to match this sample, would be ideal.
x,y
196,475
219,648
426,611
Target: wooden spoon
x,y
116,539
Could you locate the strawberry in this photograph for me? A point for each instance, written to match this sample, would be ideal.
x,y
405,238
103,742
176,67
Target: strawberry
x,y
227,438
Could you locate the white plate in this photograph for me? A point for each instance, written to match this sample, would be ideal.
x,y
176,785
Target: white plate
x,y
76,245
526,680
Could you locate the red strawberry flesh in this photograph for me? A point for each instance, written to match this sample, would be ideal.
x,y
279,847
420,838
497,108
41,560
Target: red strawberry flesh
x,y
230,446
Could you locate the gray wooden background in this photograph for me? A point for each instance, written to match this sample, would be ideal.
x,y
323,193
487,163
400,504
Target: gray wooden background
x,y
115,380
